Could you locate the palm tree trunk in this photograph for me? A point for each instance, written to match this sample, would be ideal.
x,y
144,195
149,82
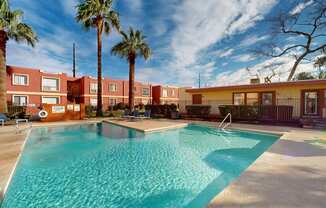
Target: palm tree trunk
x,y
3,72
132,60
99,109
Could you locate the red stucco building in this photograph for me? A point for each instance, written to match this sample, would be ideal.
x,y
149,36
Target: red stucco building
x,y
33,87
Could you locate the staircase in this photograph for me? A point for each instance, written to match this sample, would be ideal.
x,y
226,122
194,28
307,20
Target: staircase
x,y
316,123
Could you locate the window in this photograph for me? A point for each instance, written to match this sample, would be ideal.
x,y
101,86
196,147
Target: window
x,y
20,79
173,92
112,101
165,92
267,98
93,101
145,91
93,88
50,100
238,98
113,87
311,103
50,84
135,89
252,98
19,100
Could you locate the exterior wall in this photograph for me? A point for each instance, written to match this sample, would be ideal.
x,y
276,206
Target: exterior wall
x,y
77,90
285,95
33,90
172,95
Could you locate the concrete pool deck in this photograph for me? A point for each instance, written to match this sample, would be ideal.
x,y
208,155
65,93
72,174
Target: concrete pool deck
x,y
291,173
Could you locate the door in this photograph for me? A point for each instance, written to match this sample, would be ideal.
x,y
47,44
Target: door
x,y
311,103
197,99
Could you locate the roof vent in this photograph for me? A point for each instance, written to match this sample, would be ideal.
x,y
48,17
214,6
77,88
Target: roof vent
x,y
254,81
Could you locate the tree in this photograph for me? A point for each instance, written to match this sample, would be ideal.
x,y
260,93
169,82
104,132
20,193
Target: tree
x,y
306,27
11,27
98,14
304,76
320,64
131,46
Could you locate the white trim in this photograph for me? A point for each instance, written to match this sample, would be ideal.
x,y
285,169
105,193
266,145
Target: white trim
x,y
37,93
13,79
49,77
116,87
113,96
59,99
168,98
90,87
27,99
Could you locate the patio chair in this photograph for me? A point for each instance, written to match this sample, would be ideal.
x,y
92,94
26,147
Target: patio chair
x,y
4,119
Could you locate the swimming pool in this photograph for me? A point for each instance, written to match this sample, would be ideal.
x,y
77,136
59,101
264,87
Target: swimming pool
x,y
104,165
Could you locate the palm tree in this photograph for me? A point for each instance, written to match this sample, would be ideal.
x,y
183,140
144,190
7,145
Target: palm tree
x,y
11,27
132,45
98,14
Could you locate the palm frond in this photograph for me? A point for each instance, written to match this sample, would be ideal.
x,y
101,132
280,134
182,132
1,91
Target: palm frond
x,y
133,43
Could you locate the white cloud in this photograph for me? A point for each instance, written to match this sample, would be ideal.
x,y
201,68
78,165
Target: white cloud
x,y
252,39
300,7
199,26
69,7
244,58
242,76
223,53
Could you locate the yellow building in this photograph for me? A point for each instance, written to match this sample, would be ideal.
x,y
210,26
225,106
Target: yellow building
x,y
308,97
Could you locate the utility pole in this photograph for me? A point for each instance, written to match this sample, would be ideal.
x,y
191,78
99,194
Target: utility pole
x,y
199,80
74,60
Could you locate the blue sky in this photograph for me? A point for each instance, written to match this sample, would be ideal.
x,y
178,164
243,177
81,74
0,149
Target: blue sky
x,y
212,37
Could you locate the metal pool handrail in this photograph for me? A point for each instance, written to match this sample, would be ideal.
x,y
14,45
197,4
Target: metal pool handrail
x,y
21,121
226,125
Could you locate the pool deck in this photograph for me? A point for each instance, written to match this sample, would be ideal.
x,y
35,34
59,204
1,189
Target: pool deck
x,y
291,173
148,125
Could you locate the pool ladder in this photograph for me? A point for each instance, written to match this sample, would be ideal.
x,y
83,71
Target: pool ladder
x,y
222,125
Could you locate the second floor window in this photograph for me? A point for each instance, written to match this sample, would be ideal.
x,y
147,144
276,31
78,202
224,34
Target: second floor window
x,y
20,79
93,88
50,84
145,91
113,87
165,92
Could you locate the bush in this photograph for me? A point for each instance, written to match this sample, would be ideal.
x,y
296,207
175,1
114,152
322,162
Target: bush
x,y
161,110
246,112
201,111
90,111
120,106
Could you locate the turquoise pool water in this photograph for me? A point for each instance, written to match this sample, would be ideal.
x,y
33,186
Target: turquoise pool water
x,y
103,165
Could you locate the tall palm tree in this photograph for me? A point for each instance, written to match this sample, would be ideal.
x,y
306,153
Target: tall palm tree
x,y
131,46
11,27
98,14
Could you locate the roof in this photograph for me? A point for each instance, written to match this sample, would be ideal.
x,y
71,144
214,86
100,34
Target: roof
x,y
256,86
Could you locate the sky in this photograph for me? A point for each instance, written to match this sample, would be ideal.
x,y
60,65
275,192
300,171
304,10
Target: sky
x,y
187,37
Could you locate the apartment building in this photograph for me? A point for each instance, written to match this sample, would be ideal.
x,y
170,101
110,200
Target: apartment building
x,y
84,90
33,87
165,94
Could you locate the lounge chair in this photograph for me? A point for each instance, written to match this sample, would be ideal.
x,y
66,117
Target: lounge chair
x,y
4,119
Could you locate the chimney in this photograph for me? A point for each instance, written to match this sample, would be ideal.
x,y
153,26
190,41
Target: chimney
x,y
254,81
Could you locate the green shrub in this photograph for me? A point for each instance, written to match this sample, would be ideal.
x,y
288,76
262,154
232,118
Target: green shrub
x,y
198,110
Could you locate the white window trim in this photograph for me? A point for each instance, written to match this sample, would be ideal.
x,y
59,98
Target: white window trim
x,y
90,88
45,77
27,98
59,100
13,79
149,91
116,87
